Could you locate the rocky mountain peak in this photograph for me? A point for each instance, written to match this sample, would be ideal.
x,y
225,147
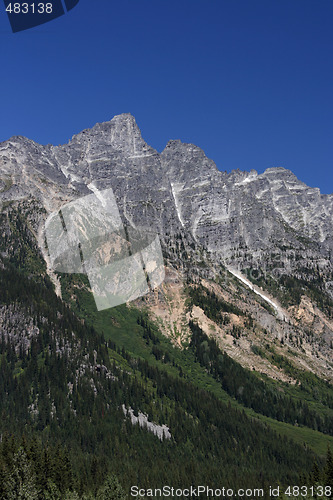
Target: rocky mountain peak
x,y
281,174
187,162
178,188
270,222
121,134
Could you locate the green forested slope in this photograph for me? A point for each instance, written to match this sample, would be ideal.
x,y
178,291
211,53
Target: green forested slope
x,y
62,425
211,441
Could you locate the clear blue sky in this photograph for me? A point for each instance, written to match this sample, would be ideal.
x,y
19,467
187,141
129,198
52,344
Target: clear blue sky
x,y
249,81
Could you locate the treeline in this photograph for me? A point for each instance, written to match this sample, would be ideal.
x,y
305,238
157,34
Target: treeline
x,y
314,287
17,240
153,341
65,390
321,475
290,288
65,395
32,471
249,390
212,305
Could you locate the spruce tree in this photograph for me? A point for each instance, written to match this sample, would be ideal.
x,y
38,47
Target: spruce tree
x,y
111,490
21,482
328,471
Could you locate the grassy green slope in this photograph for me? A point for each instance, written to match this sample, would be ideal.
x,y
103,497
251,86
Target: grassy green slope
x,y
120,325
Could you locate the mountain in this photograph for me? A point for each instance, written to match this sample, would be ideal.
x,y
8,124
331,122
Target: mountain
x,y
224,212
228,214
271,227
239,334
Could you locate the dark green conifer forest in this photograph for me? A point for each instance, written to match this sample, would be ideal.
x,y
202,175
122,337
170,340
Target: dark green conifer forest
x,y
63,430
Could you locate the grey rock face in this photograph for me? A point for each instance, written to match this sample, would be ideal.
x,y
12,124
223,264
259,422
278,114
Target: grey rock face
x,y
161,431
242,217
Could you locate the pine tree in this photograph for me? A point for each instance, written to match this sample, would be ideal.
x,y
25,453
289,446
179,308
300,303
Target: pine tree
x,y
111,490
51,492
73,495
21,482
328,471
315,474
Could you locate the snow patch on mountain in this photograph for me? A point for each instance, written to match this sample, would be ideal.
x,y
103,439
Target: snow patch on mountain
x,y
278,309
